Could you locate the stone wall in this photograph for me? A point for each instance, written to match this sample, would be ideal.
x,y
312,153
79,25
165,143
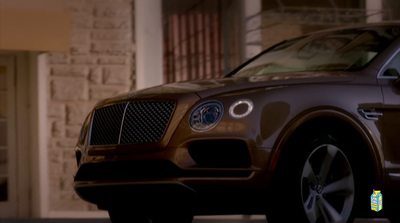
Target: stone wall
x,y
98,65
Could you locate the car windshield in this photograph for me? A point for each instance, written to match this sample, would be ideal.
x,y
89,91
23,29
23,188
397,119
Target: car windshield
x,y
341,50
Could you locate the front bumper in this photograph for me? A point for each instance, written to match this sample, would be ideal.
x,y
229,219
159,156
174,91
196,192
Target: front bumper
x,y
150,180
204,196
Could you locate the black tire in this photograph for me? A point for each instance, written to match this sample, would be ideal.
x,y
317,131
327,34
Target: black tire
x,y
318,181
126,216
173,217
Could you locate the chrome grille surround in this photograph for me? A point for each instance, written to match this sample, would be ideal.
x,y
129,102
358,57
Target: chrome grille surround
x,y
130,123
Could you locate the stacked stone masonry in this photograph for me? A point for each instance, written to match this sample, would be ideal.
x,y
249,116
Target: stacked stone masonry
x,y
98,65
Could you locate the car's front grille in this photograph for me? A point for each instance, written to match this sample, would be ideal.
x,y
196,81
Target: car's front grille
x,y
145,121
106,125
131,123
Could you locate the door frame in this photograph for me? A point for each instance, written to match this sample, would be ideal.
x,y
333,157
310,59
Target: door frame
x,y
24,156
9,208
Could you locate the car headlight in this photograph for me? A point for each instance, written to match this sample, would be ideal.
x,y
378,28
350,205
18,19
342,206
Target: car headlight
x,y
206,116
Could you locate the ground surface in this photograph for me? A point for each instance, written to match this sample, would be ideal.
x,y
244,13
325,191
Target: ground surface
x,y
205,219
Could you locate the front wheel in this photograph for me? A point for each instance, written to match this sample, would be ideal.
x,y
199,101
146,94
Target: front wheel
x,y
327,185
120,216
315,183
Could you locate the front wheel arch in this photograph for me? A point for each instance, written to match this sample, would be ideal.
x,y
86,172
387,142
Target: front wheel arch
x,y
331,121
343,133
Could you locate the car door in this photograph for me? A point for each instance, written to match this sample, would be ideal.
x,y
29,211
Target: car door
x,y
388,78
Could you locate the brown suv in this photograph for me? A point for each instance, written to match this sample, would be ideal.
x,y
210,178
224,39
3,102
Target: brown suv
x,y
306,130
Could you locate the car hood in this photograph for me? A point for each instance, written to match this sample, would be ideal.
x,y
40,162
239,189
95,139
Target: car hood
x,y
210,87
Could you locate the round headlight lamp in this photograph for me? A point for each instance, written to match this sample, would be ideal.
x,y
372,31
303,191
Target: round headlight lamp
x,y
206,116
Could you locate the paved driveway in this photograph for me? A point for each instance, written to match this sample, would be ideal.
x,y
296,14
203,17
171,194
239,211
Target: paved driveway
x,y
205,219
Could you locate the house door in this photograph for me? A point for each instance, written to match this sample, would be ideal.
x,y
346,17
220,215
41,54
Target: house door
x,y
8,159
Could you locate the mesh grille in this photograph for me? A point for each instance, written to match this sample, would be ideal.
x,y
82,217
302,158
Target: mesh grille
x,y
106,125
142,122
145,121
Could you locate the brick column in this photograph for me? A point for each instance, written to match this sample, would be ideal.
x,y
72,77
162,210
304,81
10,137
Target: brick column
x,y
374,10
98,65
149,42
252,28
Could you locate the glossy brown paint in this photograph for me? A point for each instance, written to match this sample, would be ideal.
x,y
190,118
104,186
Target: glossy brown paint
x,y
260,138
282,104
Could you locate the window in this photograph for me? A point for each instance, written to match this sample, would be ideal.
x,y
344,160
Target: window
x,y
201,39
392,69
343,50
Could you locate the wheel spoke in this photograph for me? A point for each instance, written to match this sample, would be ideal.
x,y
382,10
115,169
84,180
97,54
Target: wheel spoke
x,y
327,162
309,199
308,173
311,208
330,214
316,205
345,184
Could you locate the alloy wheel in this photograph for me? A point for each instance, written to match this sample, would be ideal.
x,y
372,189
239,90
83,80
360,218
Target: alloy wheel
x,y
327,185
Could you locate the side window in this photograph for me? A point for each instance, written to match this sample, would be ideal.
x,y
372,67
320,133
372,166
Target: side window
x,y
392,69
